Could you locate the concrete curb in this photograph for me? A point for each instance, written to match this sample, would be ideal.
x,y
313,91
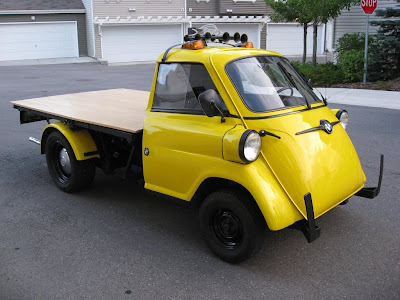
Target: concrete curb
x,y
48,61
370,98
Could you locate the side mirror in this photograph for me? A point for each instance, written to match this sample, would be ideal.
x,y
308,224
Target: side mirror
x,y
210,103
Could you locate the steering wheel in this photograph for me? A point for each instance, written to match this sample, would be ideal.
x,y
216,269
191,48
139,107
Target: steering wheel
x,y
286,88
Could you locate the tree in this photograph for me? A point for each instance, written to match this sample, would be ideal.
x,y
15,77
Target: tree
x,y
385,51
322,11
307,11
292,10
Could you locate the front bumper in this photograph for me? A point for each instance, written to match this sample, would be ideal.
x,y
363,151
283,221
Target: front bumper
x,y
372,192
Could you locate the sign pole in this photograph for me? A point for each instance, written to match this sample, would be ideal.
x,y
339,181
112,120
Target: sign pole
x,y
366,51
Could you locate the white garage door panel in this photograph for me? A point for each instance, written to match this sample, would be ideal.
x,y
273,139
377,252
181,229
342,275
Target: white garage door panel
x,y
288,39
138,42
251,30
38,40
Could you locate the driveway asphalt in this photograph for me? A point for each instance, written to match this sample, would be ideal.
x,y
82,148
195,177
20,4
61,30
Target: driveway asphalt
x,y
117,241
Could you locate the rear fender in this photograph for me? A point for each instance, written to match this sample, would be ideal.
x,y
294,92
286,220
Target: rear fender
x,y
80,140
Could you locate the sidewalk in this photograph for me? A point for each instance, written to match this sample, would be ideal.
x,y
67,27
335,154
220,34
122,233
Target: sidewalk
x,y
371,98
48,61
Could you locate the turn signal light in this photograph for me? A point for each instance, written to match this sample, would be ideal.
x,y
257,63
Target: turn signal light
x,y
194,45
248,45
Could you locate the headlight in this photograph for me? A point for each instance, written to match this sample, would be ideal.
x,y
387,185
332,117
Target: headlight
x,y
343,117
249,146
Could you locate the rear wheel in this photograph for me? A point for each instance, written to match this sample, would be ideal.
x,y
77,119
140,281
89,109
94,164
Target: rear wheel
x,y
69,174
232,225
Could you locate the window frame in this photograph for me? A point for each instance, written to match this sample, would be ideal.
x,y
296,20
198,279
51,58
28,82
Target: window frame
x,y
180,110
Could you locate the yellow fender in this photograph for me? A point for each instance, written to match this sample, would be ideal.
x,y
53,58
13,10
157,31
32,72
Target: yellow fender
x,y
80,140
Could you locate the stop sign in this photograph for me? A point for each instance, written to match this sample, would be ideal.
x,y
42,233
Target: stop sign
x,y
369,6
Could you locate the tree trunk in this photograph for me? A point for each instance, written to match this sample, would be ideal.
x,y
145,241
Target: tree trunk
x,y
305,25
314,52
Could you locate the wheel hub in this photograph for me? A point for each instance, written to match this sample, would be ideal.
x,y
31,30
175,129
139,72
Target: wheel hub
x,y
227,228
64,160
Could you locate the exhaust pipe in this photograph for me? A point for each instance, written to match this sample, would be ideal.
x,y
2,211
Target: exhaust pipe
x,y
34,140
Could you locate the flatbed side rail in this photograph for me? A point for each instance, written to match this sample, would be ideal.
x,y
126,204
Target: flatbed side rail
x,y
35,116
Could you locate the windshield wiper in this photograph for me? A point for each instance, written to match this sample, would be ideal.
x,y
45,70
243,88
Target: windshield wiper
x,y
323,98
291,79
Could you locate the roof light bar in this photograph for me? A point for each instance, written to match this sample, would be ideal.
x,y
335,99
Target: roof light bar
x,y
222,38
195,40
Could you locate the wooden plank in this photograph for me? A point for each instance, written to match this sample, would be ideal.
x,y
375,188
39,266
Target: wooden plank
x,y
120,109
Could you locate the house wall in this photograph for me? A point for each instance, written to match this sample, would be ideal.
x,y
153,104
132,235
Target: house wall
x,y
202,8
79,18
353,21
97,42
89,26
263,38
213,8
7,5
114,8
242,7
174,8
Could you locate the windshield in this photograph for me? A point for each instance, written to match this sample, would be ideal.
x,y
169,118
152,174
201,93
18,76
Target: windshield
x,y
269,83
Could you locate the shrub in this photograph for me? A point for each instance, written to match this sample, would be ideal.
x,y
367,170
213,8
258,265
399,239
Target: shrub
x,y
321,74
352,41
384,85
351,63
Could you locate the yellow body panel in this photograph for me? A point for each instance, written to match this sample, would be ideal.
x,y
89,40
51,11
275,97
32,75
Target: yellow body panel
x,y
325,165
80,140
184,153
185,150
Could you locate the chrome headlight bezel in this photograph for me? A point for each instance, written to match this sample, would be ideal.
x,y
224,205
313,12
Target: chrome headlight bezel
x,y
249,146
343,117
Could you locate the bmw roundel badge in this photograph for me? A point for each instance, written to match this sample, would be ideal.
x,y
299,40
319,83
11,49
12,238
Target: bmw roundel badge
x,y
328,127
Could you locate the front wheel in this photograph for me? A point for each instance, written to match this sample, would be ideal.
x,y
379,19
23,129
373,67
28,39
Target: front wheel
x,y
232,225
69,174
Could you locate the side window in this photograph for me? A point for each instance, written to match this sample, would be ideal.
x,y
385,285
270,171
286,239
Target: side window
x,y
179,86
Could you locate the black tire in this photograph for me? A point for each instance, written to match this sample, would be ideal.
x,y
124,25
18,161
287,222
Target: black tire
x,y
232,225
344,202
70,177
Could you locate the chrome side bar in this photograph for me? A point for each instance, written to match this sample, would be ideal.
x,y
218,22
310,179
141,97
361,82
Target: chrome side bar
x,y
34,140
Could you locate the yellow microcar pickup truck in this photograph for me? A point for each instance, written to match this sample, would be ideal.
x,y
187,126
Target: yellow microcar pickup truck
x,y
234,130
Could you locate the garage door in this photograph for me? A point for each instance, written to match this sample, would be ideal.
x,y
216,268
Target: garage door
x,y
38,40
138,42
288,39
252,31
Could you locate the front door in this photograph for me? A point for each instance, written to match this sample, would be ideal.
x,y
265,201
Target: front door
x,y
180,143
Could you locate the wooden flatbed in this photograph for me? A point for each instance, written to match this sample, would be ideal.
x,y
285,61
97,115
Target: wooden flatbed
x,y
117,109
